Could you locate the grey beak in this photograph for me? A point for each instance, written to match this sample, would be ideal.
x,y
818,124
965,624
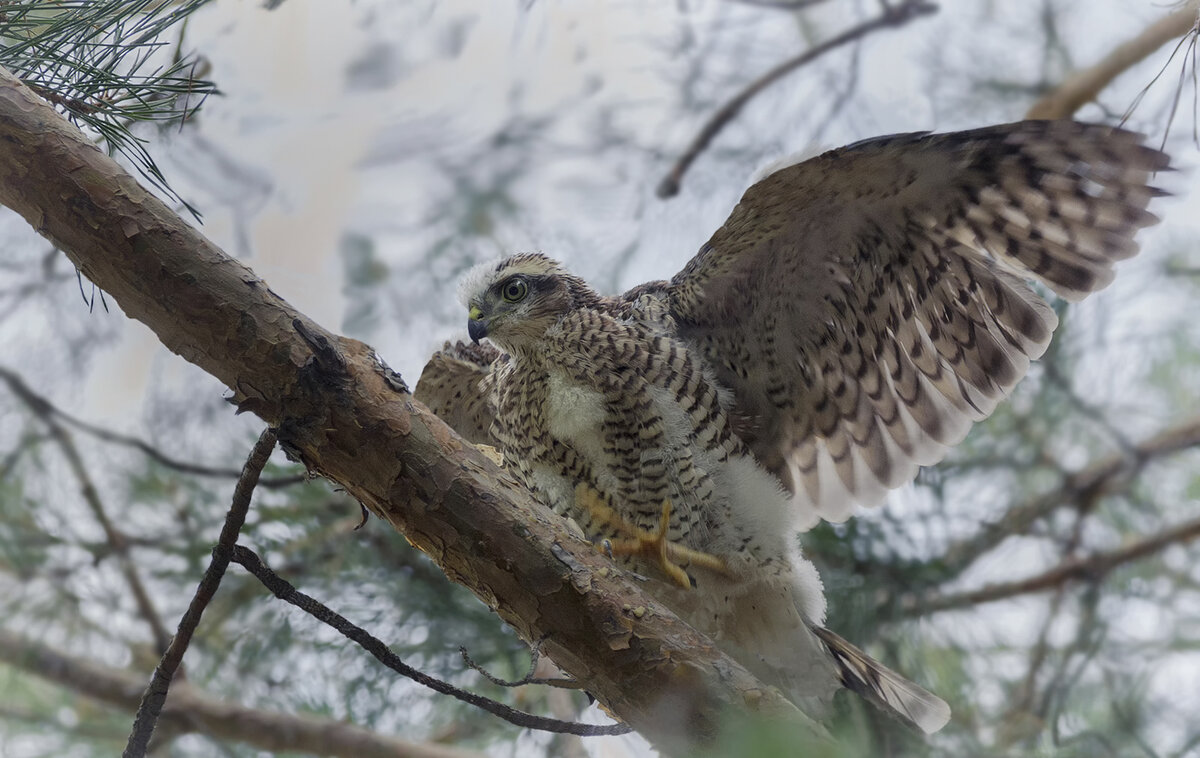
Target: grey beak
x,y
476,329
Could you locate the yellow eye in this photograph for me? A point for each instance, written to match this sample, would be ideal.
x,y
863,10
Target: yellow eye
x,y
514,290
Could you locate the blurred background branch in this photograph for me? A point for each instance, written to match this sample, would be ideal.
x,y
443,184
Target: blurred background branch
x,y
891,16
1085,85
189,710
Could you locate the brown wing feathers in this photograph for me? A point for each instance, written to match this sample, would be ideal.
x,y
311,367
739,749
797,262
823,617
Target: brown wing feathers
x,y
455,384
891,314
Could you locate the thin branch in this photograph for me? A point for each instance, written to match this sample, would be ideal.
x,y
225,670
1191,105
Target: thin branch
x,y
1092,567
116,539
535,657
156,693
44,407
1023,700
893,16
189,710
373,645
1098,477
1084,86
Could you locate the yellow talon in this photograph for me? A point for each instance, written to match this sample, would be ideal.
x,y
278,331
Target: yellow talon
x,y
492,454
654,546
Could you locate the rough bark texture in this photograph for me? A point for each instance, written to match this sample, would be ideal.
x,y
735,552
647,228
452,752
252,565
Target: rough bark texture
x,y
349,418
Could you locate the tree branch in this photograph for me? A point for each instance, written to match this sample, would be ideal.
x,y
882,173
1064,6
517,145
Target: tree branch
x,y
345,415
1091,567
893,16
44,408
283,590
190,710
115,538
156,693
1095,479
1085,85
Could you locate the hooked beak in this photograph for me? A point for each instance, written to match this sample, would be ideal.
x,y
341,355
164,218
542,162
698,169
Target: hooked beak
x,y
476,326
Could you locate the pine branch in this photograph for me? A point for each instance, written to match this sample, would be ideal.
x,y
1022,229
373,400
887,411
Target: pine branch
x,y
106,66
1095,479
345,415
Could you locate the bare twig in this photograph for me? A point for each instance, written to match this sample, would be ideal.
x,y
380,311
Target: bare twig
x,y
1022,699
1097,477
535,656
1084,86
156,693
190,710
44,407
373,645
893,16
115,538
1092,567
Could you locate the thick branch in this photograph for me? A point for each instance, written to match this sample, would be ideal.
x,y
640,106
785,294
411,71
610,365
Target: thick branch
x,y
351,419
1085,85
1091,567
190,710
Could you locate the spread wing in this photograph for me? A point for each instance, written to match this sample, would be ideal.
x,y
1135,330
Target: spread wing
x,y
456,384
868,305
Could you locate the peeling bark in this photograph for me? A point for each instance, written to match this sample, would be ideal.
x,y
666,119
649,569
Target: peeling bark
x,y
346,416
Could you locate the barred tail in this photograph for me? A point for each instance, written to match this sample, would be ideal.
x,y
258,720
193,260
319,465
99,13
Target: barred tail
x,y
883,687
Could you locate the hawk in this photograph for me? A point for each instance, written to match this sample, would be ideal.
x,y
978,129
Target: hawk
x,y
852,318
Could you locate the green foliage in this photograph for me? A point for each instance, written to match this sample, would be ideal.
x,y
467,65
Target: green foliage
x,y
107,66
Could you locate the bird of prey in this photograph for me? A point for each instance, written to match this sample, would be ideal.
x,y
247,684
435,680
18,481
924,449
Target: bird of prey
x,y
856,313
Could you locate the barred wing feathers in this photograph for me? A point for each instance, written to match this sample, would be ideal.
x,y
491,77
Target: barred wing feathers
x,y
456,385
868,305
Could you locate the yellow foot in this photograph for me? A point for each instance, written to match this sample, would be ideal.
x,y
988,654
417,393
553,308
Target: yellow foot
x,y
493,455
651,545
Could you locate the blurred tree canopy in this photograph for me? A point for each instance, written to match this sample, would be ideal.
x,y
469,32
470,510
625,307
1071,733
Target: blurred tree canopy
x,y
1043,580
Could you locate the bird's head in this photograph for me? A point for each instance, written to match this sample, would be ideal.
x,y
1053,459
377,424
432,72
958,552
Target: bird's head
x,y
515,301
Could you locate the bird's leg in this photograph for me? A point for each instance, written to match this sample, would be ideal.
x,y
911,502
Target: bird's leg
x,y
651,545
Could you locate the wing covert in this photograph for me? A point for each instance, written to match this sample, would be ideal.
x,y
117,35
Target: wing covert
x,y
456,384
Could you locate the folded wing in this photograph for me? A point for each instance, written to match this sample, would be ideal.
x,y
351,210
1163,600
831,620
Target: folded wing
x,y
456,385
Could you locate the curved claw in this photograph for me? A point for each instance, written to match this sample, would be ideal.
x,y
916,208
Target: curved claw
x,y
652,546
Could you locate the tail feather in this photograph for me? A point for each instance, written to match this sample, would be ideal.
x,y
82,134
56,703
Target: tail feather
x,y
883,687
